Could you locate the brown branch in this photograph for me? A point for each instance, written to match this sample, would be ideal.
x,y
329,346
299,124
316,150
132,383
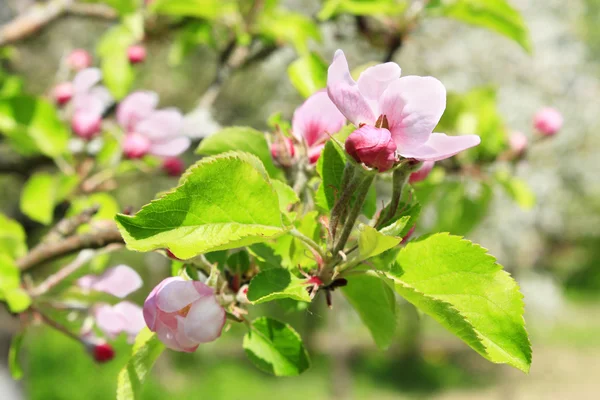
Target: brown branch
x,y
46,252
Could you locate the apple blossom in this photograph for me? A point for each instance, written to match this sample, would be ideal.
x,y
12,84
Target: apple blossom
x,y
548,121
372,146
173,166
422,173
79,59
62,93
118,281
411,105
184,313
90,101
122,317
517,142
136,54
158,132
314,121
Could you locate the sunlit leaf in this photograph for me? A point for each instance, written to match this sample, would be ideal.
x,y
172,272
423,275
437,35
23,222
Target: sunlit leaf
x,y
277,283
308,74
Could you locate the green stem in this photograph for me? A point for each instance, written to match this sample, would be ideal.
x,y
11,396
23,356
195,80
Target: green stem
x,y
347,188
308,241
399,180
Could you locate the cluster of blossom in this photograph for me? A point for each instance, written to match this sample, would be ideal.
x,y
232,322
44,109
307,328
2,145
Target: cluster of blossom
x,y
546,122
147,130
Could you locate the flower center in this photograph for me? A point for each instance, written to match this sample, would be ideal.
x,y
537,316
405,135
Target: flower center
x,y
185,310
382,122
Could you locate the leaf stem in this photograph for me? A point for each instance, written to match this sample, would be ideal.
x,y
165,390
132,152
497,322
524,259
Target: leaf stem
x,y
347,188
308,241
399,180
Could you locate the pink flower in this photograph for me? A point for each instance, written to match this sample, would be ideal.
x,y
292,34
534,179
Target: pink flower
x,y
79,59
118,281
184,314
136,54
548,121
314,121
422,173
412,107
136,145
173,166
90,101
122,317
372,146
517,142
62,93
160,129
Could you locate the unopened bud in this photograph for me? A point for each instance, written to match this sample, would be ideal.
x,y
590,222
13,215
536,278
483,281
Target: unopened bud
x,y
103,352
86,125
283,151
373,147
517,142
136,145
62,93
79,59
242,295
548,121
136,54
173,166
422,173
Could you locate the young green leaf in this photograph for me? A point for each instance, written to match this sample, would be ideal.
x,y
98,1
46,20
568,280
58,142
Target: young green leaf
x,y
222,202
372,243
496,15
39,197
308,74
276,283
146,350
240,138
517,189
276,348
12,238
286,195
18,299
375,303
462,287
13,356
288,27
332,8
206,9
293,251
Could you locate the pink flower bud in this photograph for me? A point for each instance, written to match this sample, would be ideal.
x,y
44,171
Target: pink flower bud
x,y
86,125
242,295
422,173
173,166
62,93
136,54
136,145
79,59
517,142
548,121
103,352
184,314
283,151
373,147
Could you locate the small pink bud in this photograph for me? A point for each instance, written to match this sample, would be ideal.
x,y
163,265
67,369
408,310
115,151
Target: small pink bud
x,y
173,166
314,280
103,352
548,121
422,173
283,151
136,145
79,59
373,147
62,93
136,54
86,125
184,314
517,142
242,295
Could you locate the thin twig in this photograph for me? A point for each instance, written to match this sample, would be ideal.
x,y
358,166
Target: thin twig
x,y
68,225
308,241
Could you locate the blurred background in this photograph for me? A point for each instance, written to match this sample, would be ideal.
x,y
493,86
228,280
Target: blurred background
x,y
551,248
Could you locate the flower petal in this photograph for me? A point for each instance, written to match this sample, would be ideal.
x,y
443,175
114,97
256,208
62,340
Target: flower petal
x,y
373,81
161,124
168,337
118,281
205,320
413,106
440,146
316,118
109,321
133,316
178,294
171,148
136,107
86,79
345,94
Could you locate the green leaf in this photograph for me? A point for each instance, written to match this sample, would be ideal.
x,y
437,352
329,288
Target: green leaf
x,y
308,74
39,197
239,262
13,356
279,26
12,238
276,348
117,72
146,350
372,243
496,15
9,274
293,251
107,203
387,8
18,300
375,303
286,195
240,138
208,9
277,283
222,202
462,287
33,126
517,189
123,6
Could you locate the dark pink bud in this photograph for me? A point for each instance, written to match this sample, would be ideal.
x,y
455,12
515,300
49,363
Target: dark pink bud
x,y
136,145
422,173
314,280
103,352
548,121
79,59
283,151
62,93
173,166
373,147
136,54
517,142
86,125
